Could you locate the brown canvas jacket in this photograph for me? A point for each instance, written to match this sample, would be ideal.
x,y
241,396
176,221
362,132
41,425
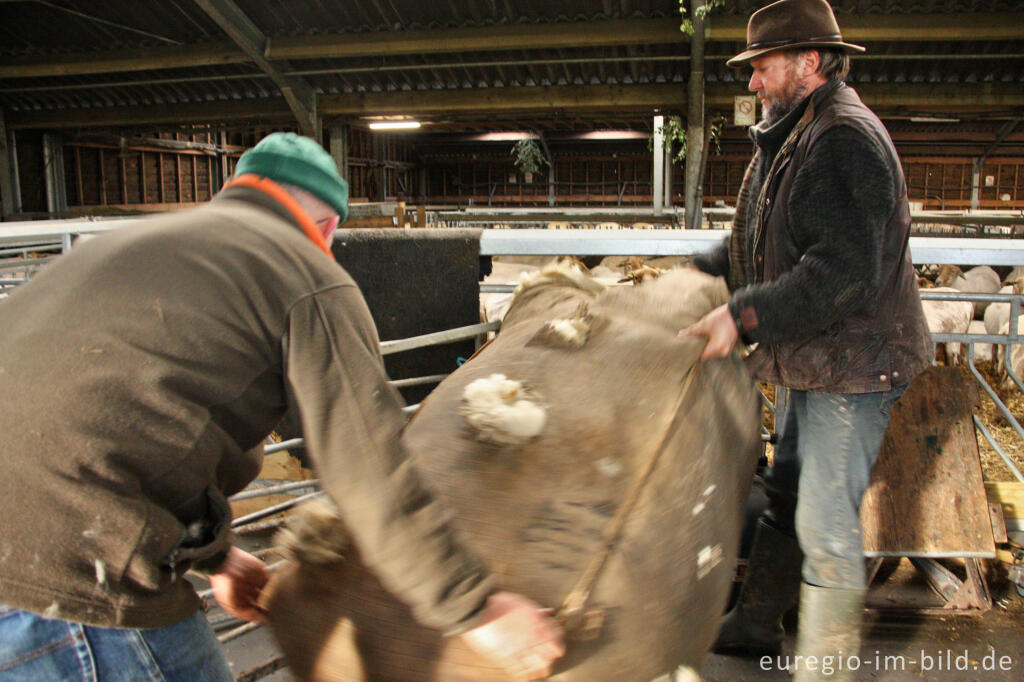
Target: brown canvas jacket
x,y
139,375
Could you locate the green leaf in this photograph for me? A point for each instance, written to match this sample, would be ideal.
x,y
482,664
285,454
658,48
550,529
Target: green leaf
x,y
528,156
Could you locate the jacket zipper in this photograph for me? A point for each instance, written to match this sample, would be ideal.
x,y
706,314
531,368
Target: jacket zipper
x,y
781,159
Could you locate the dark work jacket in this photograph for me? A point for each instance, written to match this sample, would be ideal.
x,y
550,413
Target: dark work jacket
x,y
139,372
881,339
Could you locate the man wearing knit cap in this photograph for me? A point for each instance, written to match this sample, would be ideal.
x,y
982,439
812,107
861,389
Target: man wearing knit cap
x,y
822,283
142,371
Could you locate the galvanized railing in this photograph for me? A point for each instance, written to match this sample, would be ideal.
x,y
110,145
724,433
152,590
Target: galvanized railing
x,y
20,262
1007,341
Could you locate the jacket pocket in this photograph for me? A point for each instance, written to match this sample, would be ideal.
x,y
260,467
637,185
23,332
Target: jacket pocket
x,y
172,543
204,536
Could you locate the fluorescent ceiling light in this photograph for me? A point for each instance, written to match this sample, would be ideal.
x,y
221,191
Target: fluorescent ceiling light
x,y
394,125
506,136
933,119
613,135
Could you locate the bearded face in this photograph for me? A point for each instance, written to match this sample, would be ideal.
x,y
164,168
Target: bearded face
x,y
778,85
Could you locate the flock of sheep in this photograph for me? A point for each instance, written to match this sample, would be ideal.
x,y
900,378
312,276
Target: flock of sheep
x,y
979,317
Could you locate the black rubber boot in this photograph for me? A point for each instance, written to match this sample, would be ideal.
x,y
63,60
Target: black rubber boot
x,y
828,634
754,627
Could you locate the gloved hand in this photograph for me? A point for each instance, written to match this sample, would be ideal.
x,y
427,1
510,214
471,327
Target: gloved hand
x,y
519,635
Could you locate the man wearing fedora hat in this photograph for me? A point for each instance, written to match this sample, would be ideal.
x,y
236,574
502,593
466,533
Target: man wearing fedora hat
x,y
823,287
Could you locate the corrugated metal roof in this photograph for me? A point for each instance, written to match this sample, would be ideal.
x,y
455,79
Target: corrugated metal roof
x,y
78,27
69,26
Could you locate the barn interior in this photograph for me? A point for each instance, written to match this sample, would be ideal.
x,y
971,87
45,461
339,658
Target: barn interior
x,y
120,107
522,113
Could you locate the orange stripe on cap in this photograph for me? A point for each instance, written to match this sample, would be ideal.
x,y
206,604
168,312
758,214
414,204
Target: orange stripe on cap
x,y
278,193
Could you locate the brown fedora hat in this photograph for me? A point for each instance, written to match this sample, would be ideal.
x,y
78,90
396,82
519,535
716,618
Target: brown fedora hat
x,y
792,24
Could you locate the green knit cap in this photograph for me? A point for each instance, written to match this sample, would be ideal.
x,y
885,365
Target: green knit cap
x,y
299,161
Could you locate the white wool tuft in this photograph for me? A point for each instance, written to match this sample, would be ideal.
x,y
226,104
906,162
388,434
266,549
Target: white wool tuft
x,y
502,410
101,573
573,330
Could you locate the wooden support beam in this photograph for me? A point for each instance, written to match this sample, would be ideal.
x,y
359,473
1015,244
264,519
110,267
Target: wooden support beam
x,y
103,178
891,98
249,110
56,182
240,28
488,38
339,148
10,199
693,196
635,97
147,143
142,176
79,185
224,167
117,61
943,96
971,26
1001,136
124,177
946,97
967,26
160,176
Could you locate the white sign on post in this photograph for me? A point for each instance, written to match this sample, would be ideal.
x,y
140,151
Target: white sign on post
x,y
744,110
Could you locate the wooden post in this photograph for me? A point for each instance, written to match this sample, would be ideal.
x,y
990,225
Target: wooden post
x,y
658,172
160,175
78,177
379,157
695,119
142,176
10,193
551,180
224,162
56,182
124,177
103,179
9,151
975,182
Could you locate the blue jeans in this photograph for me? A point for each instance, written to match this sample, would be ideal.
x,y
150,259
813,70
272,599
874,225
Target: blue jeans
x,y
33,649
828,444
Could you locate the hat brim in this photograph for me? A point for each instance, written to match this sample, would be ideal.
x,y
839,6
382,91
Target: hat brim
x,y
744,57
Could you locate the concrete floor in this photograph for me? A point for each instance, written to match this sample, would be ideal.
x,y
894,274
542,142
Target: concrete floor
x,y
898,645
908,647
902,643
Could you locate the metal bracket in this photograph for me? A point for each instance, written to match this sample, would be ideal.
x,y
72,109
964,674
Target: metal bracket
x,y
970,594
